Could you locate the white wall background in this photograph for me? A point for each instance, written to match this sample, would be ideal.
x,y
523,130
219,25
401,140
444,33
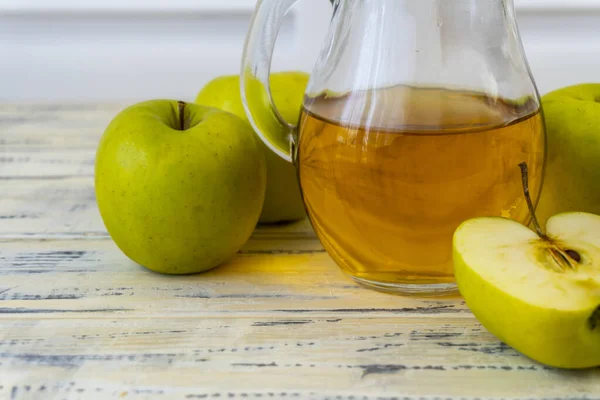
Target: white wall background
x,y
129,50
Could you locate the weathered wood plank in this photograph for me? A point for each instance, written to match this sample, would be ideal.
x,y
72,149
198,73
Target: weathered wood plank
x,y
49,207
55,126
271,276
46,164
328,357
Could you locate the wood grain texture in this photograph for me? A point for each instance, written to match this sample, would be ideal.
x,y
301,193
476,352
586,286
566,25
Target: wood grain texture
x,y
402,357
54,127
78,320
271,276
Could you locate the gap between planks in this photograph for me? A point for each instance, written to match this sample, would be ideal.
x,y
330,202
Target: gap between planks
x,y
284,314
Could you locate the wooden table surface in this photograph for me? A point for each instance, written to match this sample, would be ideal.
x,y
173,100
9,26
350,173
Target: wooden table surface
x,y
78,320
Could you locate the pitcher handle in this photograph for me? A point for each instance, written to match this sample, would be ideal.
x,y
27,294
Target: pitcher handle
x,y
258,103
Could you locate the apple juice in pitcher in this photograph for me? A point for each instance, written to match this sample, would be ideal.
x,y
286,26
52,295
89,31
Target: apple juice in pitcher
x,y
389,174
415,118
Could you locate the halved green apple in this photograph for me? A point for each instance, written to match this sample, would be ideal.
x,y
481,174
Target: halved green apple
x,y
537,292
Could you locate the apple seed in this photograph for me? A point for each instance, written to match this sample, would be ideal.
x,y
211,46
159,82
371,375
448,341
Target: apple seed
x,y
574,255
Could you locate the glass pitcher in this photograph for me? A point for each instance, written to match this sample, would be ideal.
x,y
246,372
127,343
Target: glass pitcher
x,y
416,117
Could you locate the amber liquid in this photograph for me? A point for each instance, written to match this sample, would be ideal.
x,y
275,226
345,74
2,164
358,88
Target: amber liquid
x,y
387,175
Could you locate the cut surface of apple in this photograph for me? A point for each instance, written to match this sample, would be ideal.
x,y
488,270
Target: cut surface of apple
x,y
540,295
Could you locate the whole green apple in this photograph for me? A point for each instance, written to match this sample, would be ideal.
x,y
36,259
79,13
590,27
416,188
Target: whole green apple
x,y
283,200
572,178
179,186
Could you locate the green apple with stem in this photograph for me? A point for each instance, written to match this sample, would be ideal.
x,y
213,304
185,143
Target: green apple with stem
x,y
539,292
283,200
179,186
572,178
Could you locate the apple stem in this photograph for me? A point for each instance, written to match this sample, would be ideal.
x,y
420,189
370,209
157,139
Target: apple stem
x,y
568,258
525,180
181,106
